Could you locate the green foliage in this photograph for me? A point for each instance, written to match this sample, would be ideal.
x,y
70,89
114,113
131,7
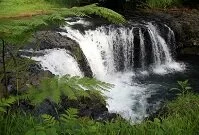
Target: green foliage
x,y
69,121
49,121
14,7
101,11
184,87
46,128
18,29
162,3
182,120
70,114
5,103
67,3
72,87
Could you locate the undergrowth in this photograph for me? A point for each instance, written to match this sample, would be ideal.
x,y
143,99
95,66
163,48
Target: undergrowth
x,y
181,119
162,3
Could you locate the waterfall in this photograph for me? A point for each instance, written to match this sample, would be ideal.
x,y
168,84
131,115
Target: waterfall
x,y
142,49
58,62
117,54
110,52
116,49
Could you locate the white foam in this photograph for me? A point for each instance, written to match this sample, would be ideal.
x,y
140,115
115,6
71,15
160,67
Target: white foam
x,y
59,62
97,46
80,21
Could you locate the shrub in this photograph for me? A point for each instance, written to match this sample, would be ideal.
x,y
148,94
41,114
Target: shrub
x,y
162,3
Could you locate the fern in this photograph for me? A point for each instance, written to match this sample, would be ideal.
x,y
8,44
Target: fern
x,y
49,120
47,128
70,114
6,102
184,87
70,122
72,87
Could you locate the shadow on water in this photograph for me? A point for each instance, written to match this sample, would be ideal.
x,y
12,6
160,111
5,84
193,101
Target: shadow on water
x,y
162,84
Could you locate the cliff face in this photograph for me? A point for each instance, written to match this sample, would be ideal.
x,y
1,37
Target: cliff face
x,y
186,26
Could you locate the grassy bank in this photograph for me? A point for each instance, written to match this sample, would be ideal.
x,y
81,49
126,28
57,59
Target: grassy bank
x,y
181,118
20,18
17,7
163,3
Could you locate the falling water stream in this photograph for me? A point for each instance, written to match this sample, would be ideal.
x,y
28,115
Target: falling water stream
x,y
119,55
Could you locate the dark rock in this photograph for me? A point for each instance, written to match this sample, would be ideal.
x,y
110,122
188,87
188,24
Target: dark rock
x,y
52,39
184,23
91,107
87,107
46,107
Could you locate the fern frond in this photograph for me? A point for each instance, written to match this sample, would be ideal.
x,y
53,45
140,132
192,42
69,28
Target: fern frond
x,y
70,114
6,102
48,89
49,120
72,87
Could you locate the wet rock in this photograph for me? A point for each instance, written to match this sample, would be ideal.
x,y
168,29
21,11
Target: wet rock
x,y
184,23
87,107
91,107
52,39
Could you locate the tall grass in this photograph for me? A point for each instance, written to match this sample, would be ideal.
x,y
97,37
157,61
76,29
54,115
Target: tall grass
x,y
162,3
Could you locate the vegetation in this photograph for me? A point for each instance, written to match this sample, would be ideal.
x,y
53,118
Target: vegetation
x,y
15,7
163,3
72,87
19,20
181,118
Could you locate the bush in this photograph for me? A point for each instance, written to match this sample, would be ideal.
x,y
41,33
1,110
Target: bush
x,y
162,3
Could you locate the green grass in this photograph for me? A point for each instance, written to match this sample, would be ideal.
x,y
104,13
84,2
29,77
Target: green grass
x,y
19,19
182,118
16,7
162,3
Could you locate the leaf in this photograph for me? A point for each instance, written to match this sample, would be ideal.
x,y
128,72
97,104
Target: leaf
x,y
30,132
6,102
156,120
72,87
51,131
49,120
41,133
70,114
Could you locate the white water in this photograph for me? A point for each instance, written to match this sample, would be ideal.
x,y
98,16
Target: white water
x,y
59,62
142,49
110,54
107,48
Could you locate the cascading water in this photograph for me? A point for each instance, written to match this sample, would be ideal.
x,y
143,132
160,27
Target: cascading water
x,y
117,55
110,53
59,62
